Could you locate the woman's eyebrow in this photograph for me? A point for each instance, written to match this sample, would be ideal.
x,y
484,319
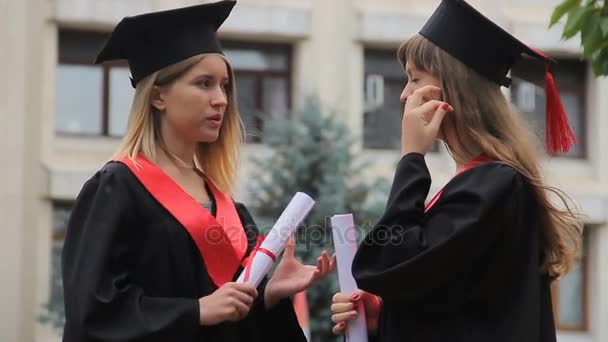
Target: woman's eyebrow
x,y
211,76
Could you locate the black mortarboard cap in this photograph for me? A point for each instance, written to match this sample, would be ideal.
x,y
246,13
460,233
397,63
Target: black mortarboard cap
x,y
461,31
467,35
152,41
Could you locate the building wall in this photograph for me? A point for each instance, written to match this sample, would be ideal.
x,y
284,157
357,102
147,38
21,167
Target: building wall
x,y
328,38
22,176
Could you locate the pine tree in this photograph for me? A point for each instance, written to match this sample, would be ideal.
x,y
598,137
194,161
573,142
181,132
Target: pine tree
x,y
312,153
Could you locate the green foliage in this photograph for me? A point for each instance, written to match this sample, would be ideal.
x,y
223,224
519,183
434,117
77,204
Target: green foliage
x,y
313,154
590,19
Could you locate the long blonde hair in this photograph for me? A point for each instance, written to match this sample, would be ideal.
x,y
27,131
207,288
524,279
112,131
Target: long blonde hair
x,y
485,118
218,159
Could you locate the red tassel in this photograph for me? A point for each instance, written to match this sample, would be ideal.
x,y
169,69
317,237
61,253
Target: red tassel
x,y
558,135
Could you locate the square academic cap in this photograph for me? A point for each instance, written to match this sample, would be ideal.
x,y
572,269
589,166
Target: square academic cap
x,y
464,33
152,41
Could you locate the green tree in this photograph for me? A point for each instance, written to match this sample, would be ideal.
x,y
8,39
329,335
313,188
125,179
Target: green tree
x,y
590,19
313,153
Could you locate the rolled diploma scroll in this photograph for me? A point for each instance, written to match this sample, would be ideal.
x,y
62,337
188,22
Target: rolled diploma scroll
x,y
345,244
276,240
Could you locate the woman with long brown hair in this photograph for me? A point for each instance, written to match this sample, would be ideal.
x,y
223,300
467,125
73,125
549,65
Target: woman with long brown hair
x,y
477,261
155,241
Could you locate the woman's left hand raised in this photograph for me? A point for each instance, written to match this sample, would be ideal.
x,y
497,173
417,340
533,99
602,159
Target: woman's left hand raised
x,y
291,276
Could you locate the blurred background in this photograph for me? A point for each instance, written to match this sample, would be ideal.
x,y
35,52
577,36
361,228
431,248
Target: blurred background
x,y
318,84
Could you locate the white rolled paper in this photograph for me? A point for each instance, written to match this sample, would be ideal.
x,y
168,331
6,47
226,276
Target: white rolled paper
x,y
345,244
276,240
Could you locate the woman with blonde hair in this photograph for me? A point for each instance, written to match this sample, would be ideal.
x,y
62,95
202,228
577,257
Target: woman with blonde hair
x,y
155,241
477,261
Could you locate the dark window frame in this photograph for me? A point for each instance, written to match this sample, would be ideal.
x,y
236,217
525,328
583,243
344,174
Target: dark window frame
x,y
105,101
393,79
584,264
259,76
84,57
54,306
60,204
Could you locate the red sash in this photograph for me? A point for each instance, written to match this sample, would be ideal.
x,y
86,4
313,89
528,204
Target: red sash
x,y
221,240
473,163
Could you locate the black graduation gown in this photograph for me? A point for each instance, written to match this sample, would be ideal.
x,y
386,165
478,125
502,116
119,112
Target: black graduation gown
x,y
131,272
468,269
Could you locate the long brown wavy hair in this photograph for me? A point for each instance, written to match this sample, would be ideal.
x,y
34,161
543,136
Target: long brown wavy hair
x,y
485,119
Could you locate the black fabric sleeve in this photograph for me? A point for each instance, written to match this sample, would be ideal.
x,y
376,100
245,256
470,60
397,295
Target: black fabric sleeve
x,y
410,254
101,302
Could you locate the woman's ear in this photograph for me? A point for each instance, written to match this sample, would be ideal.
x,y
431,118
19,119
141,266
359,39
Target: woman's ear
x,y
157,99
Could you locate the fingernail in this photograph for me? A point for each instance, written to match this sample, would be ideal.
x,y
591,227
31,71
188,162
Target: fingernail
x,y
341,324
445,106
355,296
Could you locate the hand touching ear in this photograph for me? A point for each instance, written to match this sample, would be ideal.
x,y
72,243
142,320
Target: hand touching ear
x,y
421,120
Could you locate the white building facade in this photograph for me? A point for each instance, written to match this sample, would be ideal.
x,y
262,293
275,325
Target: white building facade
x,y
61,118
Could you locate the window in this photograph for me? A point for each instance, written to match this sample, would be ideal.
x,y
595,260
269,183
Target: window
x,y
54,308
382,125
570,79
263,83
90,99
96,99
570,295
